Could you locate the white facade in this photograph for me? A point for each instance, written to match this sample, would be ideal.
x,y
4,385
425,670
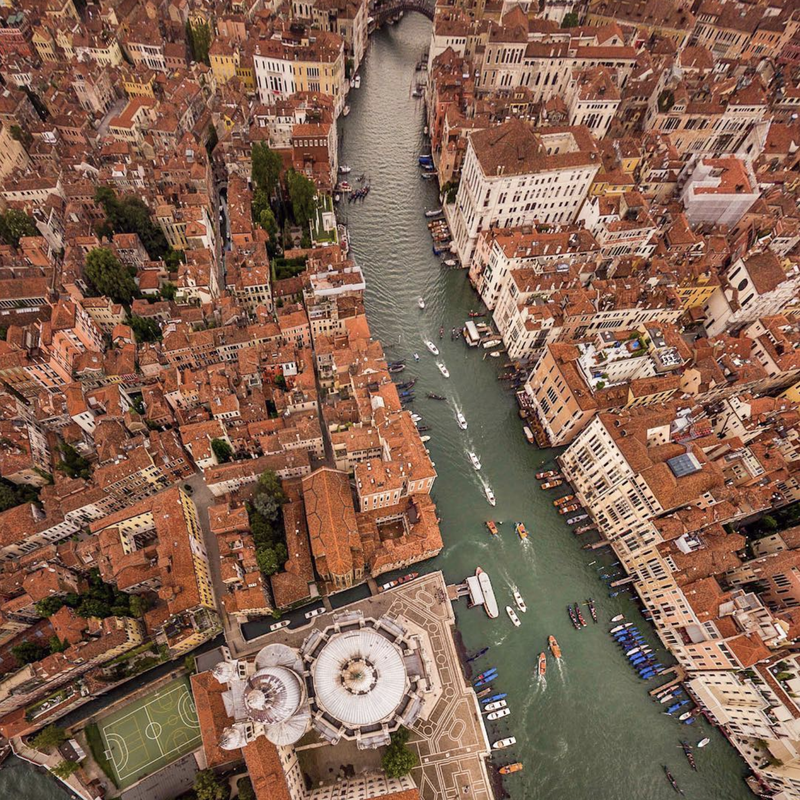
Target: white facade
x,y
718,191
274,78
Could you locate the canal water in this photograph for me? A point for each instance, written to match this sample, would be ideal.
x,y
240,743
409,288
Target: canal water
x,y
588,731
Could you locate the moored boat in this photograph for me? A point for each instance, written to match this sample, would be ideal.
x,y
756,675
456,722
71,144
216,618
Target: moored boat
x,y
345,111
484,692
618,618
576,520
542,665
554,648
592,609
521,530
563,500
492,527
496,706
434,212
489,601
554,484
519,601
507,769
550,473
503,712
513,616
569,508
502,744
492,671
579,615
703,742
421,302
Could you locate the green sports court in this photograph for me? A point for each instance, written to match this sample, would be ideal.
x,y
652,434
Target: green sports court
x,y
151,732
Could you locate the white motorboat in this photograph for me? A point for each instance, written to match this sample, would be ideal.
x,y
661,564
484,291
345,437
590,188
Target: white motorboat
x,y
416,356
504,712
416,417
620,628
461,420
703,742
345,111
490,495
618,618
512,615
474,459
492,343
495,355
449,262
496,706
356,82
520,602
424,439
501,744
685,716
432,347
344,169
433,213
443,369
421,302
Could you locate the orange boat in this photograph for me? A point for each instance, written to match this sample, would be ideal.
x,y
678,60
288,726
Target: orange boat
x,y
542,664
554,648
492,527
563,500
521,530
509,768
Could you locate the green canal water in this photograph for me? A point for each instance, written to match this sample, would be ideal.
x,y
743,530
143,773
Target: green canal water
x,y
589,731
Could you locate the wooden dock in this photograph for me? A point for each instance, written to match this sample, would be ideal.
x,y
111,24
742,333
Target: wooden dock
x,y
680,677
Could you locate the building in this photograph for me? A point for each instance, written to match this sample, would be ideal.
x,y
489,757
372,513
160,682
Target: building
x,y
718,191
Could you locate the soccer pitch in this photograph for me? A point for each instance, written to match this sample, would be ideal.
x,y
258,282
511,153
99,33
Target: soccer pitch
x,y
151,732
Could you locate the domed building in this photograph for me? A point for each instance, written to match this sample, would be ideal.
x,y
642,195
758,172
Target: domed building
x,y
359,679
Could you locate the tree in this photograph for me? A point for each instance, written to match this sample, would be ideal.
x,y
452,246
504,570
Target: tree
x,y
265,170
199,37
208,787
130,214
281,553
51,736
21,135
8,497
570,20
222,450
769,523
73,463
190,664
108,275
14,225
56,645
302,194
244,788
267,560
29,652
48,606
65,769
399,760
91,607
269,483
167,291
267,221
145,329
139,605
288,239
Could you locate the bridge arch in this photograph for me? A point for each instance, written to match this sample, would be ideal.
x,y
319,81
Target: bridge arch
x,y
383,11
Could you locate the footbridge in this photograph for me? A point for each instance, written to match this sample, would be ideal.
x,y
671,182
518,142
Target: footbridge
x,y
389,9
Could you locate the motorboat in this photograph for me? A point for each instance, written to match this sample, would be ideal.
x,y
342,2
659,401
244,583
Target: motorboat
x,y
563,500
474,459
496,706
521,530
356,82
568,509
421,302
551,484
576,520
513,616
492,527
416,356
509,768
432,396
489,601
344,169
554,648
487,490
703,742
443,369
503,712
550,473
424,439
686,714
502,744
620,627
618,618
542,665
449,262
519,601
387,586
345,111
461,420
494,355
433,212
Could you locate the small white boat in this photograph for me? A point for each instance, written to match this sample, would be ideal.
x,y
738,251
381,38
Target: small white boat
x,y
504,712
618,618
490,495
344,169
337,198
495,355
501,744
416,356
356,82
432,347
496,706
449,262
421,302
492,343
620,628
520,602
345,111
443,369
703,742
462,422
433,213
474,459
424,439
685,716
416,417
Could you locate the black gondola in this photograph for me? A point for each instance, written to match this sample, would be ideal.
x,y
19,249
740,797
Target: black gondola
x,y
672,782
423,428
432,396
687,750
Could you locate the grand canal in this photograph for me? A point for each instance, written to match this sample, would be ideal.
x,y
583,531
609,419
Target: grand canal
x,y
589,731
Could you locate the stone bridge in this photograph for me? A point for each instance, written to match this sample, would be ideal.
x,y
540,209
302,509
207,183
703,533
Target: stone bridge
x,y
383,11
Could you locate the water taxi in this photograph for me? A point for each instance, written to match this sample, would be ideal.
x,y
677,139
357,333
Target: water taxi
x,y
513,616
345,111
487,490
569,508
542,665
461,420
550,473
554,648
496,706
503,712
509,768
563,500
443,369
501,744
421,302
521,530
432,347
520,602
489,601
474,459
576,520
492,527
551,484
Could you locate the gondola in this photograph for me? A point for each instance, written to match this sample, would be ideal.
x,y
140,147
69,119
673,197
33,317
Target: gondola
x,y
687,749
672,782
592,609
432,396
